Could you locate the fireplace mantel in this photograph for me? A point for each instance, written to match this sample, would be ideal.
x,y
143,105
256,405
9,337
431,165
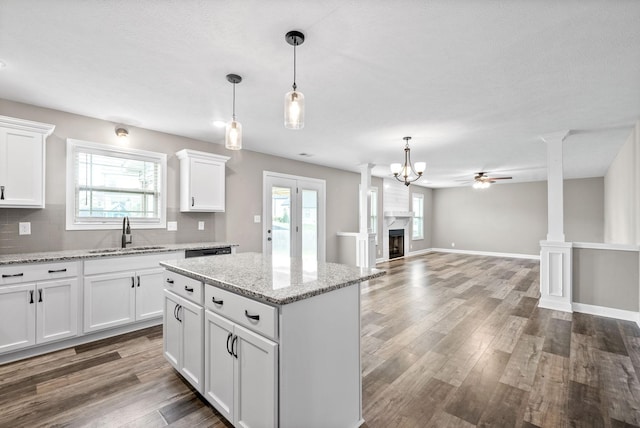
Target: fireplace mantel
x,y
401,217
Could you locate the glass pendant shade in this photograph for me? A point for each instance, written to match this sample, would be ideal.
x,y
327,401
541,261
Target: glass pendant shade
x,y
294,110
420,167
233,136
395,168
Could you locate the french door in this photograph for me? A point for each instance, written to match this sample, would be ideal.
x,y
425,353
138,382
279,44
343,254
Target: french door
x,y
294,216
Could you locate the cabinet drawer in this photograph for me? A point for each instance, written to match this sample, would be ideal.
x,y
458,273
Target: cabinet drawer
x,y
56,270
243,311
188,288
14,274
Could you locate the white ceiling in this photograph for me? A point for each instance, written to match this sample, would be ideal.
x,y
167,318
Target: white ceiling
x,y
475,83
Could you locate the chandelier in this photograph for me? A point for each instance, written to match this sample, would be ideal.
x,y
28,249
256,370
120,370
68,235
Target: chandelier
x,y
407,173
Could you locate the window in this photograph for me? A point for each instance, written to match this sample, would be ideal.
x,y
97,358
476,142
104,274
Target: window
x,y
417,203
374,211
106,183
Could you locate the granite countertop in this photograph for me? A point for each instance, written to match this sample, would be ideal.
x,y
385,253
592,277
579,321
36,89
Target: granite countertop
x,y
276,280
54,256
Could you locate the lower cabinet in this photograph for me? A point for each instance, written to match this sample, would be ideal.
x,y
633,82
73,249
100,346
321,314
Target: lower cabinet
x,y
241,371
182,330
36,313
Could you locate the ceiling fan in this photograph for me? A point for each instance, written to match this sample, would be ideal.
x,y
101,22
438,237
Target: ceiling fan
x,y
482,181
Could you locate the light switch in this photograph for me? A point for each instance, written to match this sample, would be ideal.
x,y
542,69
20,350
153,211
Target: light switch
x,y
172,226
24,228
256,219
201,225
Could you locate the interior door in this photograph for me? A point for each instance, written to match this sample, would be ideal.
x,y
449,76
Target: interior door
x,y
294,216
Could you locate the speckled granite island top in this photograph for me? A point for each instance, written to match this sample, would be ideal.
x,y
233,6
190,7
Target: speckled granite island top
x,y
277,280
55,256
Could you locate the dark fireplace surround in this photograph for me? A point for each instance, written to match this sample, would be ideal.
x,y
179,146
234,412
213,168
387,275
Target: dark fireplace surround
x,y
396,243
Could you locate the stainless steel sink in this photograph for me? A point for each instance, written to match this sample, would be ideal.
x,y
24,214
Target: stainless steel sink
x,y
125,250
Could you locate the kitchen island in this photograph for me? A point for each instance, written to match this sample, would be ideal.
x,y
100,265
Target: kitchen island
x,y
268,341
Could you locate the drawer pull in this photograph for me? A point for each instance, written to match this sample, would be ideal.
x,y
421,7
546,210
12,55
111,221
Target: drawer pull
x,y
169,280
189,289
253,317
4,275
57,270
234,351
217,302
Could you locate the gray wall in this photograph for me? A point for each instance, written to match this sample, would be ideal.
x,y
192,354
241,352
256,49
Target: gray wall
x,y
243,186
622,193
606,278
512,217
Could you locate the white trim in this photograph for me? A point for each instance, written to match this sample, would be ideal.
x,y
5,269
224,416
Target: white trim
x,y
380,260
555,304
488,253
45,129
419,252
601,246
603,311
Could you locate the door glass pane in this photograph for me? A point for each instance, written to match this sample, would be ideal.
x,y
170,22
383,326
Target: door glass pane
x,y
309,224
281,221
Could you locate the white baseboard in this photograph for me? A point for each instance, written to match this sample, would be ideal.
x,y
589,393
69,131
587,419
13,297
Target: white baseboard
x,y
555,304
419,252
602,311
487,253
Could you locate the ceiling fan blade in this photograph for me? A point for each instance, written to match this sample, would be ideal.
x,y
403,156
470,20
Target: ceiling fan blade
x,y
500,178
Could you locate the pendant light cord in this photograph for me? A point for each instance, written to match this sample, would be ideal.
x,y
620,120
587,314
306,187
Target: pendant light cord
x,y
234,102
295,43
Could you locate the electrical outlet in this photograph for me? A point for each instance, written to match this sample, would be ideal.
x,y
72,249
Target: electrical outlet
x,y
24,228
201,225
256,219
172,226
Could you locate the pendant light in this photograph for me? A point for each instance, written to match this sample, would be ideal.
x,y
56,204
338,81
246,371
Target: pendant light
x,y
408,172
233,134
294,100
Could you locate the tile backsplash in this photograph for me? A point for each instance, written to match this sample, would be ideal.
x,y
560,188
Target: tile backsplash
x,y
48,231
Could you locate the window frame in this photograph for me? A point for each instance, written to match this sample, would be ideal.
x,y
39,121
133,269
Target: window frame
x,y
74,223
414,197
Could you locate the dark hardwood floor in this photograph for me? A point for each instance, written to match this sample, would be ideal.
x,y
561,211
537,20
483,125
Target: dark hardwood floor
x,y
448,340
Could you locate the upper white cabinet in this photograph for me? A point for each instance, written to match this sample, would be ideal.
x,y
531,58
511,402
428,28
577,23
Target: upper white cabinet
x,y
22,162
202,181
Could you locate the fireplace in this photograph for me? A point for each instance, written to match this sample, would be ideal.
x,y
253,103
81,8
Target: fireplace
x,y
396,243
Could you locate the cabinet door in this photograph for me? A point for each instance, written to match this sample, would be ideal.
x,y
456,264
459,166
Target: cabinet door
x,y
22,155
171,330
207,185
109,300
17,316
219,363
57,309
191,316
149,286
255,380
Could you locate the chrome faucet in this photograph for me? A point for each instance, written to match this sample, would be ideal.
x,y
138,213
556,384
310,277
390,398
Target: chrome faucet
x,y
126,232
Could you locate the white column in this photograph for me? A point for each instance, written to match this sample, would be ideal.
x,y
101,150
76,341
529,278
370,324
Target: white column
x,y
555,253
366,247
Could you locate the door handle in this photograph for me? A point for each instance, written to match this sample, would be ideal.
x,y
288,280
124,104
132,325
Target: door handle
x,y
1,193
138,280
39,294
234,351
193,201
269,239
133,281
31,297
229,350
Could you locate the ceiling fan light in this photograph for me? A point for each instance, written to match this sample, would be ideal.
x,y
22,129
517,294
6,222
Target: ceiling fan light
x,y
233,136
294,110
395,168
420,167
477,185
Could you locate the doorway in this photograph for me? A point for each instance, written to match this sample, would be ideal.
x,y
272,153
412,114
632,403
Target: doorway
x,y
294,216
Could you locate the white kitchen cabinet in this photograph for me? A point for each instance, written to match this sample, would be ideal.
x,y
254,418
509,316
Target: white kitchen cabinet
x,y
22,162
241,371
183,341
123,290
202,181
38,304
